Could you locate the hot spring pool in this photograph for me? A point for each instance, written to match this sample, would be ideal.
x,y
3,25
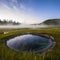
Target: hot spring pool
x,y
29,42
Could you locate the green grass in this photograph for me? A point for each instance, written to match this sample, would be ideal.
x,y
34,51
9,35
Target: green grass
x,y
8,54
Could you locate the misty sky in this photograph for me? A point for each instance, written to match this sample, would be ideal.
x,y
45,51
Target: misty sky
x,y
29,11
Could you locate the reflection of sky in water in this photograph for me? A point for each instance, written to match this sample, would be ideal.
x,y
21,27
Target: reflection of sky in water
x,y
29,42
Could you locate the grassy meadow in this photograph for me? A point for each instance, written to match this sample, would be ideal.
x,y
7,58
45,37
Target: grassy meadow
x,y
8,54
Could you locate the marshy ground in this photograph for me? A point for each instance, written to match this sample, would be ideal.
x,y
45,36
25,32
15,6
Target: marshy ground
x,y
8,54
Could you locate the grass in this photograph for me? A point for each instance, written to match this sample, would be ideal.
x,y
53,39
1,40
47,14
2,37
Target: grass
x,y
8,54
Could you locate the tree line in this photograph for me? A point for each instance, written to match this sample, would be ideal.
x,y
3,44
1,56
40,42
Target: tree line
x,y
5,22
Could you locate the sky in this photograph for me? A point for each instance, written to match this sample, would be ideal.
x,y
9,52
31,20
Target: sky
x,y
29,11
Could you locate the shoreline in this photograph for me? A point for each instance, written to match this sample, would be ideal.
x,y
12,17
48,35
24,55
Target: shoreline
x,y
38,34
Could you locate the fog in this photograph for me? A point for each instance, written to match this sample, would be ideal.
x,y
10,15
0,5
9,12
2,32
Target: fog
x,y
23,26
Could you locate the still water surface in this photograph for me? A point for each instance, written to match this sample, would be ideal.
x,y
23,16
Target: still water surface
x,y
29,42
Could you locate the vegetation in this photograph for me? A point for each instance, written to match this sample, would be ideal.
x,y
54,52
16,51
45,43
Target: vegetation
x,y
5,22
8,54
52,22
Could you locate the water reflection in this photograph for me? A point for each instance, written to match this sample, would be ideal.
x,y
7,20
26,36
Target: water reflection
x,y
29,42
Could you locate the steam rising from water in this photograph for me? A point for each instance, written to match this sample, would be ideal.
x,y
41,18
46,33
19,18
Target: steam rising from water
x,y
23,26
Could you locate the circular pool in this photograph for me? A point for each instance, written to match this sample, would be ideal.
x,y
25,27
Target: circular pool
x,y
30,42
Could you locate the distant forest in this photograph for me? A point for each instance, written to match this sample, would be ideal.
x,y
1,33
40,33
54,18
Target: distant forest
x,y
49,22
8,22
